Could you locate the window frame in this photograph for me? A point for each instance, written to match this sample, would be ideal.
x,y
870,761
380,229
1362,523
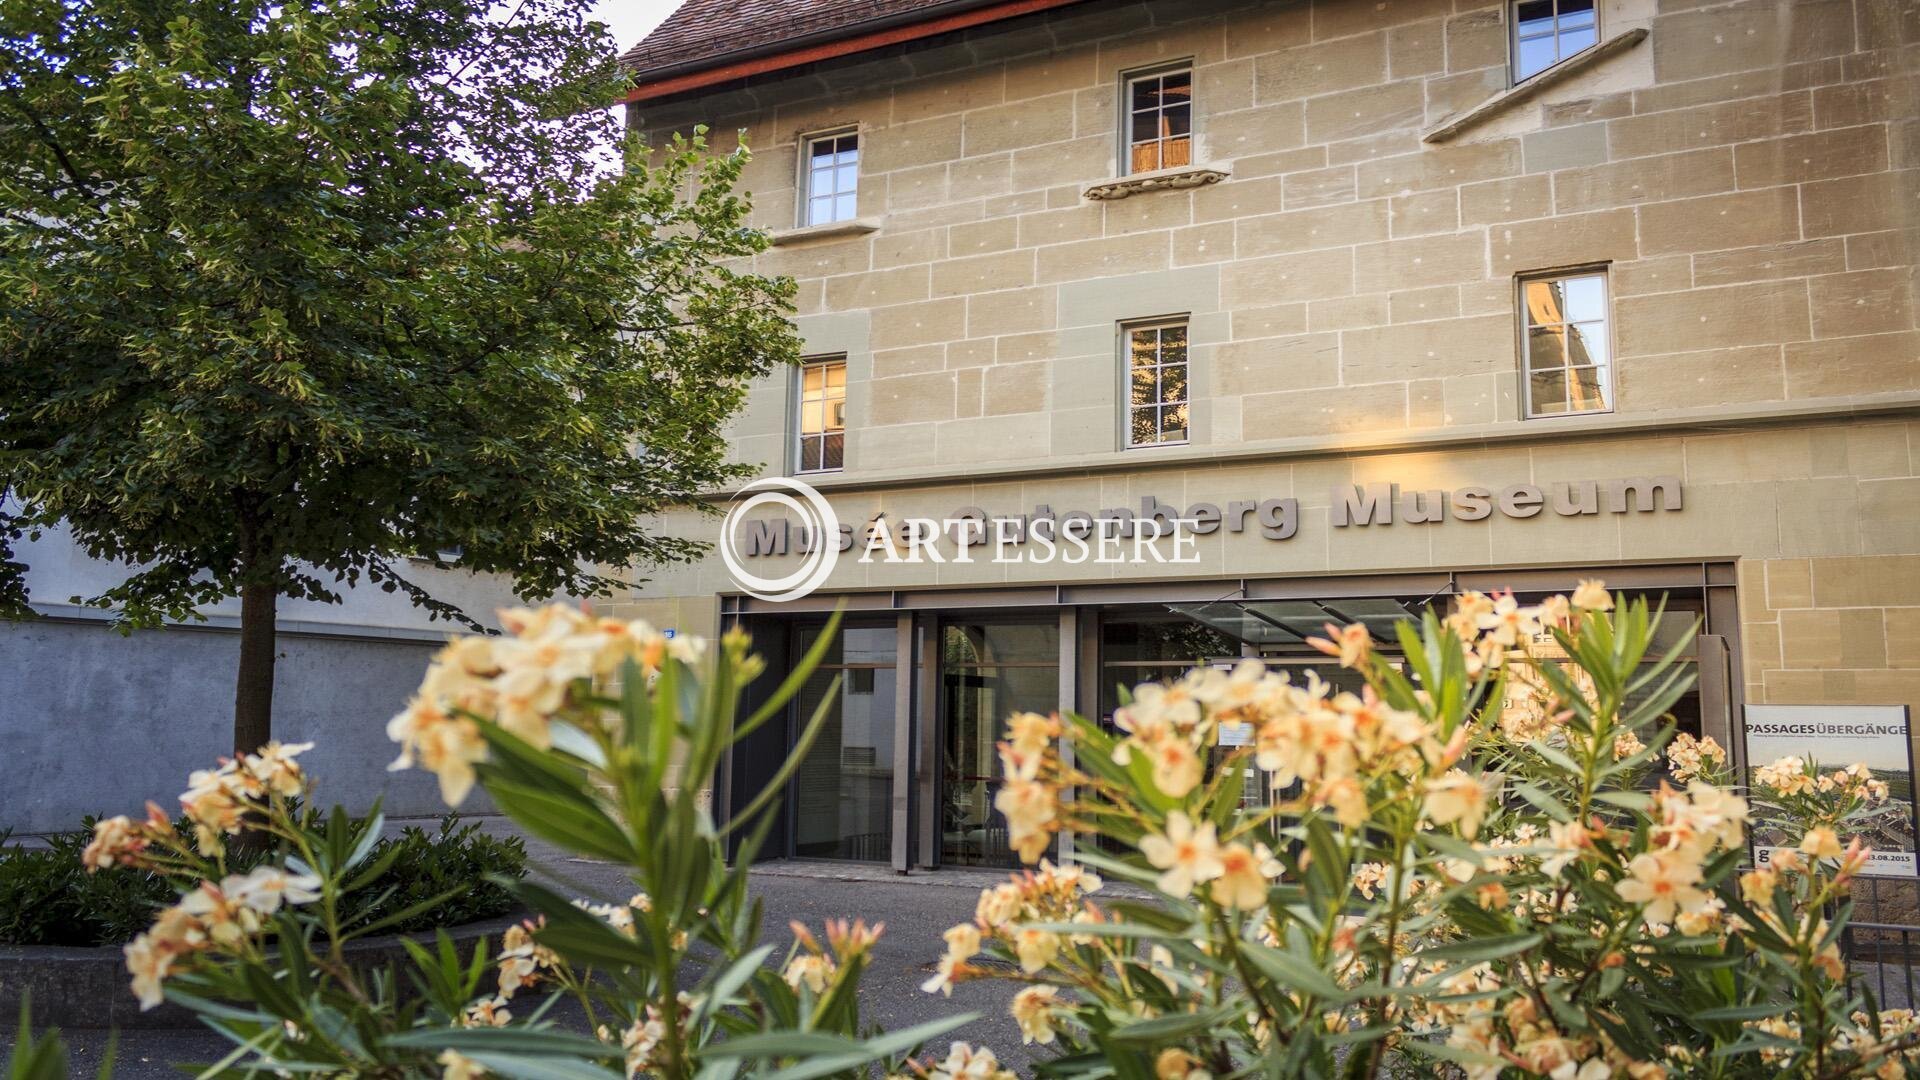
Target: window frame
x,y
797,403
1609,387
803,180
1123,122
1514,78
1127,407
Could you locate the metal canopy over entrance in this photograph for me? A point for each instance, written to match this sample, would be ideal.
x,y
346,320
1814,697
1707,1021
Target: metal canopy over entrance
x,y
1284,624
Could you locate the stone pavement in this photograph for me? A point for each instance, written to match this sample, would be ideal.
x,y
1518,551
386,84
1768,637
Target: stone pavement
x,y
915,908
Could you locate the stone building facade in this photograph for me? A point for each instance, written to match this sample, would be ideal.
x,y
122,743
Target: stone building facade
x,y
1721,195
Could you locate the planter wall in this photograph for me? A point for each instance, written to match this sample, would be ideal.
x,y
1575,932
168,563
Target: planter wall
x,y
88,988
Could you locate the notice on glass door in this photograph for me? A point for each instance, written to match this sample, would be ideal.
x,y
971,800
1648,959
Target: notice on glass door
x,y
1827,740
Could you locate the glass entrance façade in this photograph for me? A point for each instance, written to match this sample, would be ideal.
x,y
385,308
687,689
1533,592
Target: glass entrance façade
x,y
906,768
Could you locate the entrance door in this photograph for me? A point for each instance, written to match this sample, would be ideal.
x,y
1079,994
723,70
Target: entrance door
x,y
989,670
842,794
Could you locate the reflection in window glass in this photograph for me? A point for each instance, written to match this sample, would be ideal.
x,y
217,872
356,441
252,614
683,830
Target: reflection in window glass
x,y
1159,129
823,416
832,179
1568,352
843,788
1157,384
988,671
1546,32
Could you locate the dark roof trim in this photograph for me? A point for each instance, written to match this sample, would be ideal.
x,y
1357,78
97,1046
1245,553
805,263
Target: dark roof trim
x,y
829,44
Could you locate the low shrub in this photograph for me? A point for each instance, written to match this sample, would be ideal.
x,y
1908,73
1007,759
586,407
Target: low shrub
x,y
47,897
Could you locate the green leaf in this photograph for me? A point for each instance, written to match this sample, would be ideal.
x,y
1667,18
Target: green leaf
x,y
1294,972
1475,950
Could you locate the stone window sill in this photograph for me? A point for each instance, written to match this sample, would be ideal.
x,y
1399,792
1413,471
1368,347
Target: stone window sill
x,y
1559,73
1178,179
832,230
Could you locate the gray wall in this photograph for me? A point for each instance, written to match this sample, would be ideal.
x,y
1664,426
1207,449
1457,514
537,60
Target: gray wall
x,y
92,722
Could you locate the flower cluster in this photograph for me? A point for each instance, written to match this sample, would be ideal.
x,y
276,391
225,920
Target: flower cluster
x,y
1690,827
815,966
963,1062
1189,855
519,681
216,804
1003,919
1028,799
226,916
1691,758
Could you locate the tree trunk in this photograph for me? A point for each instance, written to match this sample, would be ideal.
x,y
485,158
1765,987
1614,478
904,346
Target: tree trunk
x,y
253,689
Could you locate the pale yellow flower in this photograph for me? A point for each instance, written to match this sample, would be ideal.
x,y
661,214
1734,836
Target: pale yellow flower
x,y
1756,886
265,888
115,840
999,905
1787,775
1189,855
963,943
458,1066
809,970
1351,643
490,1012
1665,882
1456,797
1177,768
1031,733
1245,874
274,768
1570,841
964,1062
1174,1063
1508,624
1033,1010
1347,799
1821,843
1035,948
149,962
1592,595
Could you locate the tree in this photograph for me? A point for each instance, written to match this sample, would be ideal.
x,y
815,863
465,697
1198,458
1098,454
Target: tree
x,y
291,291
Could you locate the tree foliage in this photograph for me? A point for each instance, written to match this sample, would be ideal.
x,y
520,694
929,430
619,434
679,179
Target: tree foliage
x,y
289,292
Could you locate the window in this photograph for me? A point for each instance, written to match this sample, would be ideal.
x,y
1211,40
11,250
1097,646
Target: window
x,y
1546,32
1566,348
1157,377
830,180
823,415
1158,127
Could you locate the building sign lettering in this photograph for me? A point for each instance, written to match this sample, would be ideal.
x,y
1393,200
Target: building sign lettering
x,y
1351,506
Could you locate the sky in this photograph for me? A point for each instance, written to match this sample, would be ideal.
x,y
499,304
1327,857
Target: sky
x,y
631,19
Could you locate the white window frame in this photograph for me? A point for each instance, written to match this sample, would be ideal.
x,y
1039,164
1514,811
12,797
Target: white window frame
x,y
1127,406
1125,122
800,400
1524,324
1514,78
804,183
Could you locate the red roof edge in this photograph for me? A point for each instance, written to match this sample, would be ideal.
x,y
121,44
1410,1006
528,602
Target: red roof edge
x,y
653,89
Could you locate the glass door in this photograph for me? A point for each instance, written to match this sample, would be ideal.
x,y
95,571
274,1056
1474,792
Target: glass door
x,y
988,671
841,799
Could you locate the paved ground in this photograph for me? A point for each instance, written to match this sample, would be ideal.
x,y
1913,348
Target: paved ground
x,y
915,909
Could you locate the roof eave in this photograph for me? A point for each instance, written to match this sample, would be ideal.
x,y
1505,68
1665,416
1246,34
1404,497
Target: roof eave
x,y
829,44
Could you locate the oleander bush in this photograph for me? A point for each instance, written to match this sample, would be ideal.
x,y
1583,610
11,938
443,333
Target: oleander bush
x,y
582,730
48,896
1496,861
